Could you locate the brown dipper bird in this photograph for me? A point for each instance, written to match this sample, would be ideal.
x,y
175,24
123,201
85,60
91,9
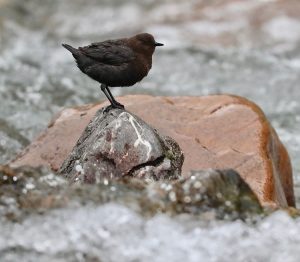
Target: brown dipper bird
x,y
120,62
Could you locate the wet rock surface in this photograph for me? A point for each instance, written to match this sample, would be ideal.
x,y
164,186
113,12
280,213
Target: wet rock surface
x,y
209,194
223,190
213,131
117,143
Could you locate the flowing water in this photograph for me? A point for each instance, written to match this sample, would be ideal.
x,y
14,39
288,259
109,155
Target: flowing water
x,y
248,48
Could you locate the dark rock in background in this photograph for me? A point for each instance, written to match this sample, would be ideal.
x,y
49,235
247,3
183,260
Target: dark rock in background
x,y
118,143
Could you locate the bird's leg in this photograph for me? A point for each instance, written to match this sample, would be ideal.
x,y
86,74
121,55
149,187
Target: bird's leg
x,y
113,99
108,94
115,102
103,88
107,109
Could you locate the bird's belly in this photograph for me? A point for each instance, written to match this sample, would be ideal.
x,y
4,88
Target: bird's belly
x,y
125,75
121,75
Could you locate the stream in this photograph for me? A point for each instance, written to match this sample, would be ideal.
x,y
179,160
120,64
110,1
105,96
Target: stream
x,y
247,48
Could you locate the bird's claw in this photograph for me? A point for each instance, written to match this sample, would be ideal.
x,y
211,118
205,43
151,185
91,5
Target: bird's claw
x,y
115,105
118,105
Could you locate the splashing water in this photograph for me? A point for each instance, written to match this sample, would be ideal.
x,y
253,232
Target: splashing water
x,y
112,232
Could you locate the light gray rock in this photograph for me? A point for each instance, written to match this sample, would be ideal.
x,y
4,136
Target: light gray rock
x,y
117,144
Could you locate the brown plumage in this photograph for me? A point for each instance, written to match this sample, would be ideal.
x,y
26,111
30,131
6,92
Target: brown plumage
x,y
121,62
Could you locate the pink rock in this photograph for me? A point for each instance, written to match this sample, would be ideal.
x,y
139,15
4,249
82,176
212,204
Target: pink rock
x,y
219,132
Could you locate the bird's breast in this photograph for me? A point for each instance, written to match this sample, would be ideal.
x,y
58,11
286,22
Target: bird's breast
x,y
143,64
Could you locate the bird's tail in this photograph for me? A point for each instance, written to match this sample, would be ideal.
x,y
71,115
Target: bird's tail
x,y
74,51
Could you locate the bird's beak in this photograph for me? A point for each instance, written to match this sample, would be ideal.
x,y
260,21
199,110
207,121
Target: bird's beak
x,y
158,44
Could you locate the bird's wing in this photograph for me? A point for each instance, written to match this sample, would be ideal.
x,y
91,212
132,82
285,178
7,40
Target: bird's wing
x,y
109,52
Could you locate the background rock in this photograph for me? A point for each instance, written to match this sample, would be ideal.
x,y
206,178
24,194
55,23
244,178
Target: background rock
x,y
220,131
116,144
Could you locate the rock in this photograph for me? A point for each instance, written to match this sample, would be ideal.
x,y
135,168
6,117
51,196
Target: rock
x,y
209,194
118,143
222,190
219,132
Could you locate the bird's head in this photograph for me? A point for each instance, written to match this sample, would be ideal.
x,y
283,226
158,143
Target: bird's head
x,y
144,43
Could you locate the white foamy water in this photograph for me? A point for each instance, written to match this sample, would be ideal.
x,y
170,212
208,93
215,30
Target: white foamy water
x,y
115,233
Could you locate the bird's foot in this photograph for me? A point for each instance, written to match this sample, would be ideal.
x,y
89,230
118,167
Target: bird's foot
x,y
107,109
114,105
